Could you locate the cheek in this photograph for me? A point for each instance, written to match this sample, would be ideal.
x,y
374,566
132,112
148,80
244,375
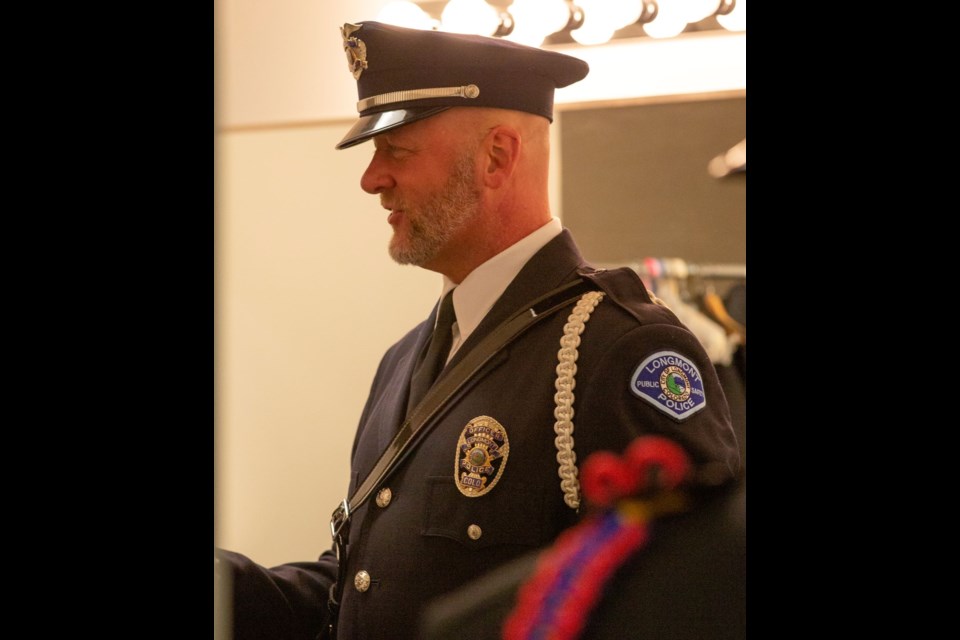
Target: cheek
x,y
422,182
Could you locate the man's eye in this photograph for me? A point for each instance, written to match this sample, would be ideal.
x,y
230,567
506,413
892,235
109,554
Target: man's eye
x,y
392,150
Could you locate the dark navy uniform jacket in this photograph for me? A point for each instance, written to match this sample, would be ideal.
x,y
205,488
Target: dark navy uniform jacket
x,y
431,538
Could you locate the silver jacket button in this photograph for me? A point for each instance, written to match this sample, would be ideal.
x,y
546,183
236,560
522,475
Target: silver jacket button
x,y
384,496
361,581
474,532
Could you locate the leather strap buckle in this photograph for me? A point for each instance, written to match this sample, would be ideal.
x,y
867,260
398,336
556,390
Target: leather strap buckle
x,y
340,517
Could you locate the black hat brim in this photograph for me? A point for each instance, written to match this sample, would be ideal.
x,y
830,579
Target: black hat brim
x,y
376,123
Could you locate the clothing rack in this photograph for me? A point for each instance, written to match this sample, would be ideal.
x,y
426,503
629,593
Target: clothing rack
x,y
679,268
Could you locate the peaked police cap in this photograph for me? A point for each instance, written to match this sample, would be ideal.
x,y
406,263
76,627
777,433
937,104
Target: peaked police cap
x,y
404,75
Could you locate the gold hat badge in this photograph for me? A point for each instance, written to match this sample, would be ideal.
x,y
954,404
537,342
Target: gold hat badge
x,y
355,49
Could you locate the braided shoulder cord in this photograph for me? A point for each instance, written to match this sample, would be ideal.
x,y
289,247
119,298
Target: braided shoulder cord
x,y
566,381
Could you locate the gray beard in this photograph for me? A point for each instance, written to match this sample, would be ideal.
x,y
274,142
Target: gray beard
x,y
438,220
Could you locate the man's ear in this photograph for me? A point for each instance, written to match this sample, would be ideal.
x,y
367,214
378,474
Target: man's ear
x,y
503,153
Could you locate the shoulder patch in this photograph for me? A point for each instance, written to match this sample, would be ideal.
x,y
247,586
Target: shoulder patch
x,y
671,383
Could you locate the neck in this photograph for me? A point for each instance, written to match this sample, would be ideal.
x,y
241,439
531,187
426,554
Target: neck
x,y
480,243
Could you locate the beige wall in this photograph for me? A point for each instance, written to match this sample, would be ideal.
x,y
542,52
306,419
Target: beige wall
x,y
306,297
307,301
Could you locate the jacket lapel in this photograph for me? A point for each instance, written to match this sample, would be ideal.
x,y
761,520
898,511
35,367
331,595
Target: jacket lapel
x,y
393,403
555,264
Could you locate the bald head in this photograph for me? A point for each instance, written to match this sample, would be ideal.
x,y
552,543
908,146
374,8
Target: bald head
x,y
533,130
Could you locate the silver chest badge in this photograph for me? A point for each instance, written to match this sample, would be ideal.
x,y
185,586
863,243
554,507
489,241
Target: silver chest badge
x,y
482,452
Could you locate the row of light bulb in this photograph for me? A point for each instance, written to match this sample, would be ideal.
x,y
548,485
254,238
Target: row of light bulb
x,y
590,22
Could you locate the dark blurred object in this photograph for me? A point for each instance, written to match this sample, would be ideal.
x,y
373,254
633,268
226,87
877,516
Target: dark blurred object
x,y
686,582
731,162
736,303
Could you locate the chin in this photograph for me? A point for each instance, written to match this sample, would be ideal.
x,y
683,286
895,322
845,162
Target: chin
x,y
397,249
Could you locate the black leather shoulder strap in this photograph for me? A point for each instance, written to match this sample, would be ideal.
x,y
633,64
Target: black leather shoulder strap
x,y
451,381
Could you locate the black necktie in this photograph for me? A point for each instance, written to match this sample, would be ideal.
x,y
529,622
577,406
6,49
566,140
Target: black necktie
x,y
432,363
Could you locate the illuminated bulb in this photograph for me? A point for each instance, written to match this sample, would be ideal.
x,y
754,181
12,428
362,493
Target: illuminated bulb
x,y
470,16
736,20
406,14
670,20
550,15
590,35
534,20
527,33
602,17
696,10
615,14
627,12
610,14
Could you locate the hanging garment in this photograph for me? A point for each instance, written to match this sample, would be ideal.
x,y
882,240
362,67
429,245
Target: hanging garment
x,y
736,304
715,340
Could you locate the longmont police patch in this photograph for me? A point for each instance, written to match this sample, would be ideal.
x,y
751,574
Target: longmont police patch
x,y
671,383
482,452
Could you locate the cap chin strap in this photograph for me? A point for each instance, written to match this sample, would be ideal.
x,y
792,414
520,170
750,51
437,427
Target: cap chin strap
x,y
467,91
566,381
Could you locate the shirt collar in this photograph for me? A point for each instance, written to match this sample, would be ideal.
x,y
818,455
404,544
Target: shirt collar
x,y
478,292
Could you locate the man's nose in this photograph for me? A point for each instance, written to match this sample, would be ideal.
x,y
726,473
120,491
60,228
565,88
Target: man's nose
x,y
376,178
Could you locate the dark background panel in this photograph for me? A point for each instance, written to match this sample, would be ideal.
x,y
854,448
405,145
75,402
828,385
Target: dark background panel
x,y
635,181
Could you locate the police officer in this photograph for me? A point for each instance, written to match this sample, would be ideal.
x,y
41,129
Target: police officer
x,y
544,359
